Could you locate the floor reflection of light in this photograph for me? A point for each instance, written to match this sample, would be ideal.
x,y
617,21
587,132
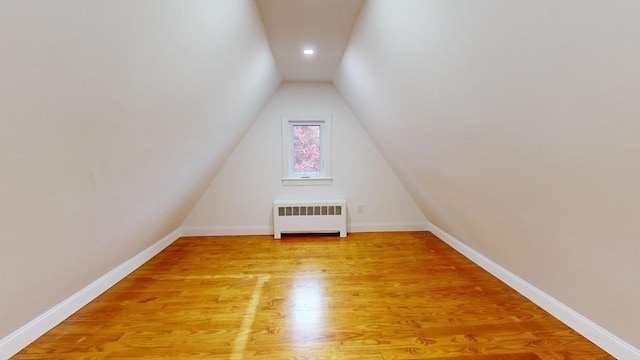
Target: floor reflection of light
x,y
307,310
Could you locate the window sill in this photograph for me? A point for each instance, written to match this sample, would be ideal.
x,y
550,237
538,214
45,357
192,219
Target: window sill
x,y
307,181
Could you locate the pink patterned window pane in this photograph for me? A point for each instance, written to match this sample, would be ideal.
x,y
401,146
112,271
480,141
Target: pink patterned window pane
x,y
306,145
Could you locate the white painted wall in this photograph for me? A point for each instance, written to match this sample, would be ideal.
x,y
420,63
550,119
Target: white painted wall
x,y
114,118
516,128
240,198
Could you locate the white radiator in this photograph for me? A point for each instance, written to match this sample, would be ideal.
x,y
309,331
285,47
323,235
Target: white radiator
x,y
309,217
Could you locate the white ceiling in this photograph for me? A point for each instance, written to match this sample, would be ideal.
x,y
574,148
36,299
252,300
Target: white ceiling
x,y
322,25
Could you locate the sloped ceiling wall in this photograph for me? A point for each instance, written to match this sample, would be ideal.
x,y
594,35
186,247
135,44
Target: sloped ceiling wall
x,y
115,116
516,127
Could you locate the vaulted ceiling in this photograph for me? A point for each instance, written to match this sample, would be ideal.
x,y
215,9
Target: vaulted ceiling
x,y
320,25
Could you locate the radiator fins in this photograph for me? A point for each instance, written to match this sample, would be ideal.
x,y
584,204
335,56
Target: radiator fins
x,y
309,210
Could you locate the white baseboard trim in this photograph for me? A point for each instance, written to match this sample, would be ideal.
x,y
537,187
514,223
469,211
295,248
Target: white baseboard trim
x,y
268,230
587,328
25,335
388,226
226,230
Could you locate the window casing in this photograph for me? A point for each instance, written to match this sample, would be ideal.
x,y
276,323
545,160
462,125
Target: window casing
x,y
306,150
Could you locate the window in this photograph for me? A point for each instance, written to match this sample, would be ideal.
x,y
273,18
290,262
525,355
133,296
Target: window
x,y
306,150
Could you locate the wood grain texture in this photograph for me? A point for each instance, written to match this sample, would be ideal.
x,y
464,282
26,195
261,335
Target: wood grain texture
x,y
369,296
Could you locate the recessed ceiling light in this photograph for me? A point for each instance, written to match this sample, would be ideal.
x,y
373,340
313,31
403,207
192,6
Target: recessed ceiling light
x,y
308,52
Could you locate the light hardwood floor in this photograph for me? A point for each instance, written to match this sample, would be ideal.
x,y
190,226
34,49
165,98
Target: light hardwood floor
x,y
369,296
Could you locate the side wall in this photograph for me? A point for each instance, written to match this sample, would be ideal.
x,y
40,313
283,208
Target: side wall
x,y
516,128
240,198
114,118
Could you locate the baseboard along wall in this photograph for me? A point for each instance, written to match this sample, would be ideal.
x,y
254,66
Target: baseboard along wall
x,y
388,226
37,327
587,328
268,230
226,230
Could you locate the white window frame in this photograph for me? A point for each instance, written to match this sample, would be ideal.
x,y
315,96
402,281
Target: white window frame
x,y
289,177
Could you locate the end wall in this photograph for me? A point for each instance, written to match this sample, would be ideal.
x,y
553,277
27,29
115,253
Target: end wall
x,y
240,199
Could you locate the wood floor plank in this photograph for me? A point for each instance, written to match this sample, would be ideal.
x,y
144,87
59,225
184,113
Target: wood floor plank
x,y
369,296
